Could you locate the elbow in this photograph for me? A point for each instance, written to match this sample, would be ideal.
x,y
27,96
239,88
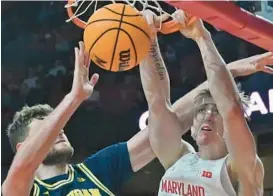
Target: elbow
x,y
159,105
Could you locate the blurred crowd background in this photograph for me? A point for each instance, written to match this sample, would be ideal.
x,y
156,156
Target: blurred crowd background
x,y
37,67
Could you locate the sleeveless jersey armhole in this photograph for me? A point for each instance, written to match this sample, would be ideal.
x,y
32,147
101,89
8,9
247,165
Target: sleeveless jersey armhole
x,y
225,180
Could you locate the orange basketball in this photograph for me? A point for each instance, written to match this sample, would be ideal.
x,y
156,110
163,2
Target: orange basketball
x,y
117,37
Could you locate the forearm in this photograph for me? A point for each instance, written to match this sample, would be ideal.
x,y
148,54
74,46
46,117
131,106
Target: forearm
x,y
140,150
221,84
155,78
164,128
36,147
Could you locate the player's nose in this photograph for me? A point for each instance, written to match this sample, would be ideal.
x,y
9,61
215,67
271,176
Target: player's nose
x,y
61,136
209,116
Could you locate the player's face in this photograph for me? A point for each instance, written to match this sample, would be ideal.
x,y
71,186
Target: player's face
x,y
207,124
61,151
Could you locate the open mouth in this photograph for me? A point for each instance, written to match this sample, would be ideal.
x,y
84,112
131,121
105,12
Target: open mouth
x,y
206,128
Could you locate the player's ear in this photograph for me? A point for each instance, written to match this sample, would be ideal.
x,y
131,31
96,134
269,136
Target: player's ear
x,y
18,145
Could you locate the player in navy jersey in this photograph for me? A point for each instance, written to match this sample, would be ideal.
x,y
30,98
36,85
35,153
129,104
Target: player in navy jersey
x,y
100,174
43,152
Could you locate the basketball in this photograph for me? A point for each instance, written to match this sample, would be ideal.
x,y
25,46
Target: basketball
x,y
117,37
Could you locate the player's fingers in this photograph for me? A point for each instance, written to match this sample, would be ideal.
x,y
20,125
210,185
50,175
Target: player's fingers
x,y
267,54
81,46
81,53
269,60
76,57
268,70
264,57
86,59
266,62
149,16
164,17
179,16
158,20
87,65
94,79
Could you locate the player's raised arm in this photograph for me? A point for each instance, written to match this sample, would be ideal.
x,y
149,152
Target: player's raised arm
x,y
164,127
243,67
34,149
239,140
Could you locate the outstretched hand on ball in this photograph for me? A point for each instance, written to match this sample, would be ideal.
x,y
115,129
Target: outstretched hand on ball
x,y
82,87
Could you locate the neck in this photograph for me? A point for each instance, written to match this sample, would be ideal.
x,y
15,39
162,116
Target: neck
x,y
49,171
212,152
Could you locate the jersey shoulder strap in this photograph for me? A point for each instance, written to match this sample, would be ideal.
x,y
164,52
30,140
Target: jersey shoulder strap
x,y
94,179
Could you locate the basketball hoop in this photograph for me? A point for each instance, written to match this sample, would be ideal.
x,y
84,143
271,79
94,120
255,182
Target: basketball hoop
x,y
165,27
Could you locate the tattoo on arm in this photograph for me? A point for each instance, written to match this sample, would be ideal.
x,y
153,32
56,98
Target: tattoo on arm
x,y
155,54
154,76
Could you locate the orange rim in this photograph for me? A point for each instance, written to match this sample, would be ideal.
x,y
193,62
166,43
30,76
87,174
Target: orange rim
x,y
75,20
166,28
172,26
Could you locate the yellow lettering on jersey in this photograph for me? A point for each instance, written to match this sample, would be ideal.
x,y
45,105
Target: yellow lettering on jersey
x,y
46,193
71,193
78,192
95,192
84,192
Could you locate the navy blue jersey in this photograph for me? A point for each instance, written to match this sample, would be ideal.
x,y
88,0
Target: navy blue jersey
x,y
101,174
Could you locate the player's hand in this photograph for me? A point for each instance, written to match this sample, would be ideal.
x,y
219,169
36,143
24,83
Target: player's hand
x,y
153,20
82,87
194,31
251,65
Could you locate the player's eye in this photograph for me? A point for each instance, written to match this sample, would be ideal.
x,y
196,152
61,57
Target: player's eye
x,y
214,111
201,110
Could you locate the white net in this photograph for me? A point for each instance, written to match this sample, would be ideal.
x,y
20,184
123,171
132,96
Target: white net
x,y
87,6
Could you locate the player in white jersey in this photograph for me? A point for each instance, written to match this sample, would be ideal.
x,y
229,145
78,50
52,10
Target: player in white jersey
x,y
227,162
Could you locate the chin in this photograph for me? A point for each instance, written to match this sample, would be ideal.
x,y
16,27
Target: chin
x,y
202,143
202,140
61,153
62,145
62,148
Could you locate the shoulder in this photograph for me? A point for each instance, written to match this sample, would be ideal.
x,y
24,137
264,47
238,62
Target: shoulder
x,y
111,166
110,159
186,148
110,152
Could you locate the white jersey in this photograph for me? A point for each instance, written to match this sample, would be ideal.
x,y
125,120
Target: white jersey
x,y
192,176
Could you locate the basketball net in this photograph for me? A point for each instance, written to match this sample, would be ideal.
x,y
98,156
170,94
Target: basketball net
x,y
81,7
